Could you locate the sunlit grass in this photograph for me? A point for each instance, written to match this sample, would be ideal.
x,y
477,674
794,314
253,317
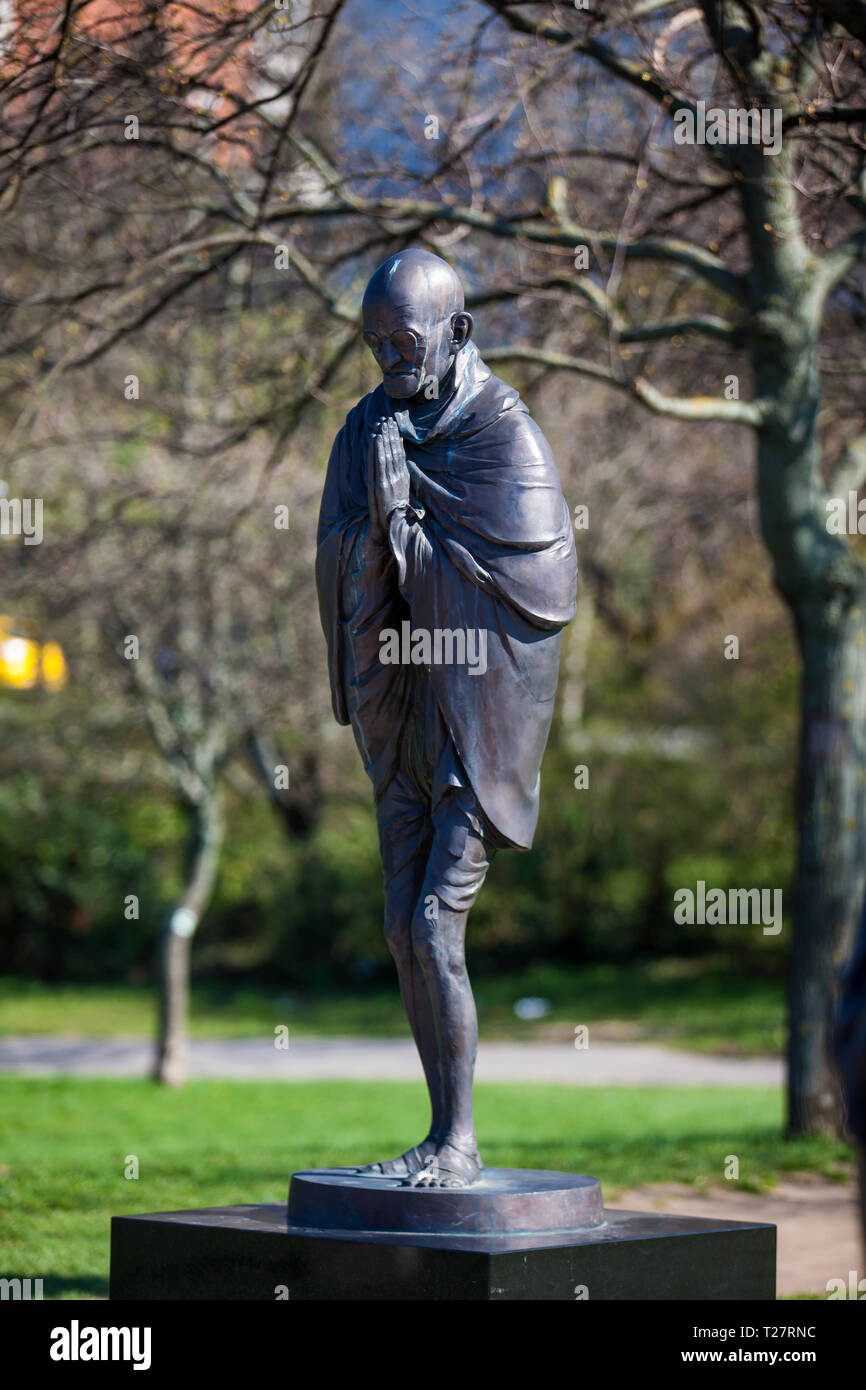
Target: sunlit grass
x,y
67,1143
695,1004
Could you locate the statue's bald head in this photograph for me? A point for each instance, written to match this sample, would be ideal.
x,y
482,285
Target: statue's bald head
x,y
417,279
414,321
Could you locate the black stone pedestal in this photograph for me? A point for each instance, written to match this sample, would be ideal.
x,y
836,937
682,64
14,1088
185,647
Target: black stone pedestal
x,y
257,1252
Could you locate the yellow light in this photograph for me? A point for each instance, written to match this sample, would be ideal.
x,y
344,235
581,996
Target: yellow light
x,y
19,662
54,671
24,661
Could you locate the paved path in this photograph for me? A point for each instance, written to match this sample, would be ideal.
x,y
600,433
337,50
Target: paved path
x,y
372,1059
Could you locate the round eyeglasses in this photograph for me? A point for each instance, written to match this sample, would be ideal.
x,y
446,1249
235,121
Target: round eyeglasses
x,y
404,341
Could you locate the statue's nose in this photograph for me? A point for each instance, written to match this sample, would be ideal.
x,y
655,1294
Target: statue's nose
x,y
389,356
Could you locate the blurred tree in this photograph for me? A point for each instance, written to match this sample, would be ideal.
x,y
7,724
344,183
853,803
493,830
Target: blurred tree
x,y
167,126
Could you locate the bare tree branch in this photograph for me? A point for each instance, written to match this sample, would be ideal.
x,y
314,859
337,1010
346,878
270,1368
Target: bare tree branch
x,y
681,407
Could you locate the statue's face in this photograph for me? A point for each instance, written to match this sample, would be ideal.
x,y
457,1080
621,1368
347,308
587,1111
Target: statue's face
x,y
411,346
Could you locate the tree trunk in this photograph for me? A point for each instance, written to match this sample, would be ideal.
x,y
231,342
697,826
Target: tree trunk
x,y
825,589
829,878
206,838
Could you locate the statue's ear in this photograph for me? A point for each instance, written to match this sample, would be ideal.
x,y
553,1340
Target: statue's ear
x,y
461,329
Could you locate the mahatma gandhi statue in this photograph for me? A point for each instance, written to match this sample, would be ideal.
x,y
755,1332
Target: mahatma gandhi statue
x,y
446,571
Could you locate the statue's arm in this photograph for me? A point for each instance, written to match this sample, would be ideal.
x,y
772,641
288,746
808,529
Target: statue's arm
x,y
368,580
356,578
412,551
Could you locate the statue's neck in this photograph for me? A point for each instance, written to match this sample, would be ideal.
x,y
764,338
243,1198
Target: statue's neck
x,y
423,408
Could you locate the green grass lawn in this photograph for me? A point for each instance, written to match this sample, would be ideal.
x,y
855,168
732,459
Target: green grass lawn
x,y
218,1143
696,1004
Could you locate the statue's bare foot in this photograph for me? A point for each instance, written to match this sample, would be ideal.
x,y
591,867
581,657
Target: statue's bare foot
x,y
409,1162
447,1166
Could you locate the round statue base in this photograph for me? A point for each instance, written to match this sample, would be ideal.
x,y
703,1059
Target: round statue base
x,y
505,1200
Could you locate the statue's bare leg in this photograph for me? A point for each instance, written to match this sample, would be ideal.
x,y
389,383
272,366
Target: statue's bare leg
x,y
416,1001
434,866
400,899
456,869
439,948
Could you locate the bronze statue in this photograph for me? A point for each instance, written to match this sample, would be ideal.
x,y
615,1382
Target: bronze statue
x,y
445,579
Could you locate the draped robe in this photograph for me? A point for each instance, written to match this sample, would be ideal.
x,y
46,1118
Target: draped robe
x,y
488,545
